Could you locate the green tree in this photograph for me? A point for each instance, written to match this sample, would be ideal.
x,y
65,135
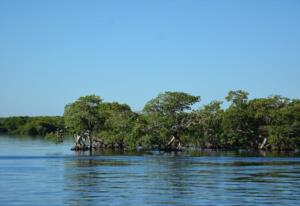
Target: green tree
x,y
239,130
284,134
117,125
166,116
265,116
13,124
3,129
83,115
238,98
207,125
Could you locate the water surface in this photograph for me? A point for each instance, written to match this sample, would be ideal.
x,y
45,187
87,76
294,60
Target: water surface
x,y
36,172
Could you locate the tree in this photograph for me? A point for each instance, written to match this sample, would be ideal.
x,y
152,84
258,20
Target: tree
x,y
83,116
13,124
166,116
238,98
207,125
265,116
238,123
284,134
118,121
168,121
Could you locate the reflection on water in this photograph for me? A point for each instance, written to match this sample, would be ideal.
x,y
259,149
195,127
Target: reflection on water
x,y
54,175
180,180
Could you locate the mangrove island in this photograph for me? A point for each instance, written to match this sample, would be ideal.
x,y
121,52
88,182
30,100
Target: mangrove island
x,y
170,121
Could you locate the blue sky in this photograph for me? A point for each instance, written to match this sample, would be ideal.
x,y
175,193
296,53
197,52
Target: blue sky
x,y
52,52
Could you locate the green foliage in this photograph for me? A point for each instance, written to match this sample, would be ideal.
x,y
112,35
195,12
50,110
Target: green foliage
x,y
83,114
268,123
33,126
238,98
285,131
3,129
117,125
169,103
207,125
239,129
167,116
12,124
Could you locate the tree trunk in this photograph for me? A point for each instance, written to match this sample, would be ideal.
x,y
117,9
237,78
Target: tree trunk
x,y
79,143
91,142
174,144
171,141
263,144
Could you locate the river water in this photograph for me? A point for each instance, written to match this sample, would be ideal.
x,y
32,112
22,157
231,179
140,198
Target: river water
x,y
36,172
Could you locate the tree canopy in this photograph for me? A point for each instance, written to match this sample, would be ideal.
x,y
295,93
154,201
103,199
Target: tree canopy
x,y
83,114
171,120
169,103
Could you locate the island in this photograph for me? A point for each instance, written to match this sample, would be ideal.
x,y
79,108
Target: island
x,y
171,122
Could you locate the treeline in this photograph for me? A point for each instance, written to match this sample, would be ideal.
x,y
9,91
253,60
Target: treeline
x,y
169,122
33,126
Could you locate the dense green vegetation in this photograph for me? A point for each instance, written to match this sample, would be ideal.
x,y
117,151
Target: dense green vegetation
x,y
171,121
33,126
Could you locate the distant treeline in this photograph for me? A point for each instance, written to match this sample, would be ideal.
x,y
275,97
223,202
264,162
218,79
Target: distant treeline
x,y
33,126
169,122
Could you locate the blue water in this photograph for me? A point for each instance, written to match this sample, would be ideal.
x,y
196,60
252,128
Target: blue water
x,y
35,172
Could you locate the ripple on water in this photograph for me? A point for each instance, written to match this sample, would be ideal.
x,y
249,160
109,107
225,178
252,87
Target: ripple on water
x,y
37,177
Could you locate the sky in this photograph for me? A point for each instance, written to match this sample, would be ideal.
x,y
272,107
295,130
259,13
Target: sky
x,y
54,51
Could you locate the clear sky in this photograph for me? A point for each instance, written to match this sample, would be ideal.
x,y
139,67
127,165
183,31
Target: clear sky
x,y
52,52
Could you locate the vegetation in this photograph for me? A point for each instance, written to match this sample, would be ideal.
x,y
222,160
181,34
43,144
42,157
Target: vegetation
x,y
171,121
33,126
83,116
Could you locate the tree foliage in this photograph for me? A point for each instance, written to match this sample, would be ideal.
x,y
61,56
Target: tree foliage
x,y
83,114
33,126
260,123
167,116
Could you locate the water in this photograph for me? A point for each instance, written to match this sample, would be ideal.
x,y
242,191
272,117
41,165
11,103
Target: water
x,y
35,172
